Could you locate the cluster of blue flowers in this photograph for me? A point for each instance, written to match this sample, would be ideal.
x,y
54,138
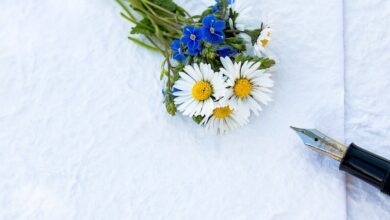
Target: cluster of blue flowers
x,y
212,31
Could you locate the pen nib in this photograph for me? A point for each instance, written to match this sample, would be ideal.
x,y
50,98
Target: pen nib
x,y
321,143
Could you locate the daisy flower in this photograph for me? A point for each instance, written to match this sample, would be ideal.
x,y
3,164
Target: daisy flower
x,y
262,42
247,86
198,87
225,118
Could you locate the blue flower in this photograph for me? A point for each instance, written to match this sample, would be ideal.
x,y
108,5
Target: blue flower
x,y
194,51
213,29
192,37
226,51
177,51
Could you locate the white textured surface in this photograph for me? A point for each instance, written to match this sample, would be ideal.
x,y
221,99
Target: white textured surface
x,y
83,134
367,100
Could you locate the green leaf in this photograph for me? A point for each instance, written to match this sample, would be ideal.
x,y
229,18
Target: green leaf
x,y
176,70
198,119
254,34
267,63
167,4
206,12
171,107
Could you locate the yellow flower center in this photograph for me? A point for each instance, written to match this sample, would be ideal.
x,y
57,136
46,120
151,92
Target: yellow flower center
x,y
201,91
222,112
264,42
212,30
193,37
242,88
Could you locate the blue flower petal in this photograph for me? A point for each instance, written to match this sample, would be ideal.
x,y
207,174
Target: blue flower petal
x,y
225,51
193,44
215,8
194,51
219,25
179,56
198,33
187,30
177,51
209,20
175,89
185,39
214,38
175,45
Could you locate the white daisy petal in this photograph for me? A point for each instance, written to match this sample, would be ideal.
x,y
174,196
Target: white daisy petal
x,y
206,70
208,107
183,85
245,69
186,77
191,71
237,70
255,74
228,65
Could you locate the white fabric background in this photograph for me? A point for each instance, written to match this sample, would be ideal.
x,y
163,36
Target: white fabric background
x,y
367,96
83,133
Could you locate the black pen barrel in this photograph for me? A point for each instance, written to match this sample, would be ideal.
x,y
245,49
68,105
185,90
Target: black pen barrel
x,y
367,166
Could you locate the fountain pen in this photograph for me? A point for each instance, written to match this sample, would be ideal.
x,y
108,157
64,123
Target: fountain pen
x,y
353,159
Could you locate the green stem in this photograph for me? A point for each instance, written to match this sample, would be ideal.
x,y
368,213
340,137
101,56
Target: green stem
x,y
147,46
160,8
169,83
148,7
154,44
128,18
126,9
232,31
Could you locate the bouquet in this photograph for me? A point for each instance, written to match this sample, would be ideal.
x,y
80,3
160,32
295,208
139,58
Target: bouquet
x,y
216,69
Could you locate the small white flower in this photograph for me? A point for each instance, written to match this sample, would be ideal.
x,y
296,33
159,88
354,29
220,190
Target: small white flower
x,y
198,87
246,19
225,118
262,42
247,86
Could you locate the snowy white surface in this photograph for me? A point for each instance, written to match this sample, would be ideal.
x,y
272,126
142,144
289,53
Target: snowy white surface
x,y
83,133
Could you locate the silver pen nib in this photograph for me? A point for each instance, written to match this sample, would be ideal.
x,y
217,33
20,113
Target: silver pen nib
x,y
321,143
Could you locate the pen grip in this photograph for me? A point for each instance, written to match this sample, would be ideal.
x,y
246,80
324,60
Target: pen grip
x,y
367,166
